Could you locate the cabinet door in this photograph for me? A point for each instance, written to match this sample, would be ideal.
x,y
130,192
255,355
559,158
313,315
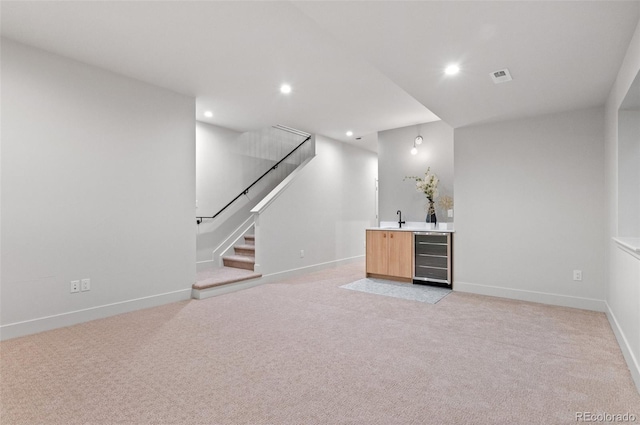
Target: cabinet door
x,y
377,247
400,254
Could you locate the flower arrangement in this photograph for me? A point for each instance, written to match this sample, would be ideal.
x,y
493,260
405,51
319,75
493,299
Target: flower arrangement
x,y
427,184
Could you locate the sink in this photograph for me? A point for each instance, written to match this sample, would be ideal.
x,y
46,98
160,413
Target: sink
x,y
405,227
411,226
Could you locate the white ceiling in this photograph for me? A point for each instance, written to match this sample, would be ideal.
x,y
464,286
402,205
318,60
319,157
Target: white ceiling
x,y
364,66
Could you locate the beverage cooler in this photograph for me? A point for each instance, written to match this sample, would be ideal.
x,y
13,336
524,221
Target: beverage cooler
x,y
432,262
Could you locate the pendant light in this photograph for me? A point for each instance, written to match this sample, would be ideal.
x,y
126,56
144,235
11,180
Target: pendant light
x,y
417,141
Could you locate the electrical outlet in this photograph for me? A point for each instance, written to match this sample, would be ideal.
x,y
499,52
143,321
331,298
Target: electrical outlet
x,y
75,286
577,275
302,253
85,285
449,213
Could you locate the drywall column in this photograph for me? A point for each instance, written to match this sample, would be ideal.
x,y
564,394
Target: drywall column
x,y
623,290
98,182
529,209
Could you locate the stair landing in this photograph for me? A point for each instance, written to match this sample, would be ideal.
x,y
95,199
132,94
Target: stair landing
x,y
223,276
237,268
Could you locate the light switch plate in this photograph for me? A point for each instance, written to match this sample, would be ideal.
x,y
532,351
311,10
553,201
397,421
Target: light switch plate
x,y
85,285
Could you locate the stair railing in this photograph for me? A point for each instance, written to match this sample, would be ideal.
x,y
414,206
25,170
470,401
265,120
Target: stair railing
x,y
246,191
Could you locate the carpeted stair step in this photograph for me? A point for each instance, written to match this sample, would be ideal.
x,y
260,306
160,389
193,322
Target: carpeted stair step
x,y
250,239
246,250
224,276
239,261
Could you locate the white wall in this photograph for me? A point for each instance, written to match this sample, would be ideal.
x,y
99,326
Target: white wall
x,y
324,211
623,291
220,176
629,171
98,181
216,162
529,209
395,162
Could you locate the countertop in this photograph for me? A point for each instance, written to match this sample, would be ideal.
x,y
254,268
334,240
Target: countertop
x,y
415,226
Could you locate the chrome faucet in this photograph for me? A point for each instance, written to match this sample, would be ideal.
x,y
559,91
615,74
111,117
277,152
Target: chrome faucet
x,y
400,222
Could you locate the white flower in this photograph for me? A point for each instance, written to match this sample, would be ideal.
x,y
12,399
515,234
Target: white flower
x,y
427,185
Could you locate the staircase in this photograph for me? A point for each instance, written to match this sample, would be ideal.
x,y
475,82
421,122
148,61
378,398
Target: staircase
x,y
244,255
238,267
238,270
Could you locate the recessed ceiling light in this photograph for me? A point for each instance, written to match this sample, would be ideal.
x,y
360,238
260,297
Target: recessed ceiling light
x,y
349,133
452,69
285,88
208,114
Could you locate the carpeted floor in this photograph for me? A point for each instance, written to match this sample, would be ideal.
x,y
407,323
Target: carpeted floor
x,y
306,351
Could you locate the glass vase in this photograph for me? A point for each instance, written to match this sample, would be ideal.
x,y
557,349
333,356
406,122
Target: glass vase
x,y
431,214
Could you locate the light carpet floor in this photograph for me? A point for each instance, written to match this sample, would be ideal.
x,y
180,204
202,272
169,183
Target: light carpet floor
x,y
305,351
406,291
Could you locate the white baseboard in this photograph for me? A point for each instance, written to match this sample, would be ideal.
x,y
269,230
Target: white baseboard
x,y
205,265
200,294
273,277
532,296
630,358
47,323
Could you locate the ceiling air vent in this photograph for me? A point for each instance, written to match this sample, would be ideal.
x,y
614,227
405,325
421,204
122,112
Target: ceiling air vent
x,y
501,76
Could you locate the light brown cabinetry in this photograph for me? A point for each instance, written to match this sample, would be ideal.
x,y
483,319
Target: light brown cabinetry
x,y
390,254
377,252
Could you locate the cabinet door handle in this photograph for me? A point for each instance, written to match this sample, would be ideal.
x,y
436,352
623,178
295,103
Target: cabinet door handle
x,y
391,235
384,235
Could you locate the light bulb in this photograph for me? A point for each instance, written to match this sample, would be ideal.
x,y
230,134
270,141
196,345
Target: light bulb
x,y
285,88
414,150
452,69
